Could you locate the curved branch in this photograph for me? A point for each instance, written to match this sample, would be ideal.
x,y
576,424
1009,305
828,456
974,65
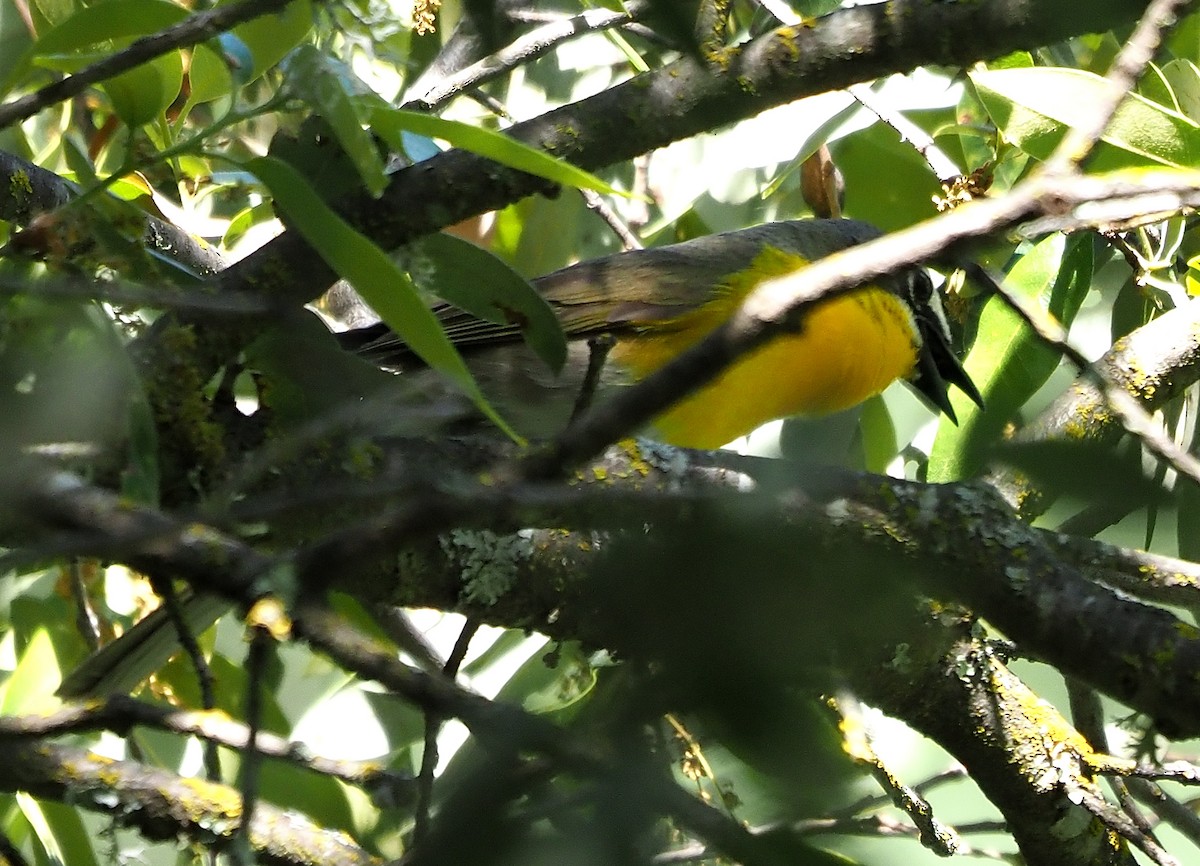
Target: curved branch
x,y
164,806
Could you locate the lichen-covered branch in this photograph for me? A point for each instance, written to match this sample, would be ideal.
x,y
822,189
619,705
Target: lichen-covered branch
x,y
162,805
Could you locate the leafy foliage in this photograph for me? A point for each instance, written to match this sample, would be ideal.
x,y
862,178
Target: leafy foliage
x,y
676,672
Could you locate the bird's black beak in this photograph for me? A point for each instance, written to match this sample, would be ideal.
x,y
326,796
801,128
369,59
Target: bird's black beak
x,y
938,368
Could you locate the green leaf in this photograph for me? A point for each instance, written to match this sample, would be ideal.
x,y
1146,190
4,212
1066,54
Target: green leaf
x,y
389,123
119,21
308,375
47,13
879,443
1184,79
270,37
15,45
1008,362
314,151
1033,108
329,86
888,183
58,828
142,94
1155,87
541,688
30,687
475,280
1090,472
1187,497
376,277
209,76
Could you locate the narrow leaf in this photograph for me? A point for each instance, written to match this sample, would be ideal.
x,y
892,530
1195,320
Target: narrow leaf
x,y
389,123
328,87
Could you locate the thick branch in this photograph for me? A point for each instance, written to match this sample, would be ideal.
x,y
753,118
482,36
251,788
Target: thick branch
x,y
683,99
31,190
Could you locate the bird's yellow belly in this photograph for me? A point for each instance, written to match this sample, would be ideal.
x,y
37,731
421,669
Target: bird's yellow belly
x,y
850,348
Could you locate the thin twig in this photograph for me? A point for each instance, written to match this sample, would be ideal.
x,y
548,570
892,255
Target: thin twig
x,y
433,728
938,837
191,31
1121,824
1167,808
250,774
119,713
941,165
521,50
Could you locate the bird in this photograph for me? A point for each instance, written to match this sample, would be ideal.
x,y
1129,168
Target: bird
x,y
649,305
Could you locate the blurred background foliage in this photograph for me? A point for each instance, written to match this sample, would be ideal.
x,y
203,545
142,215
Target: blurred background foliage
x,y
185,138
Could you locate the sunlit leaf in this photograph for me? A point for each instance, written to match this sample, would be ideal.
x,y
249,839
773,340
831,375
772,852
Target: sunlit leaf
x,y
1008,362
209,76
1033,108
30,688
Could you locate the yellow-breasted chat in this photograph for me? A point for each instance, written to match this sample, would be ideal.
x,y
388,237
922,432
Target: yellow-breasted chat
x,y
655,303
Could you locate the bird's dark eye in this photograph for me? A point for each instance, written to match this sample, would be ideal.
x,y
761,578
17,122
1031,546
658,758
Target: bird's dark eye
x,y
920,287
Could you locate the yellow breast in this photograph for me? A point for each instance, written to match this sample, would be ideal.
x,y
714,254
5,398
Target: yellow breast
x,y
850,348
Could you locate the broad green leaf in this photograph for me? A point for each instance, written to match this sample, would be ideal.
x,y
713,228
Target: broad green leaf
x,y
878,432
1033,108
540,688
822,440
1085,470
376,277
270,37
498,654
1187,500
243,221
116,20
814,8
309,375
47,13
819,136
477,281
1008,362
1016,60
390,123
1192,277
888,183
314,151
1155,87
1184,78
209,76
142,94
329,87
32,810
